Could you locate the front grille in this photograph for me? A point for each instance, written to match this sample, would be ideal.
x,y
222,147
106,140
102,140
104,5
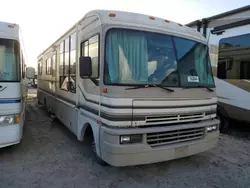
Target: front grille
x,y
175,118
176,136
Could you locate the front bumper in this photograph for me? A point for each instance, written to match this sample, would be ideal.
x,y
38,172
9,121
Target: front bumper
x,y
116,154
10,134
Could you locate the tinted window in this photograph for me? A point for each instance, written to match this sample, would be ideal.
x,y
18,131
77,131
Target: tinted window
x,y
236,41
234,58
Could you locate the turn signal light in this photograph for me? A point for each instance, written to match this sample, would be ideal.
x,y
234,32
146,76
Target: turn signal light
x,y
105,90
17,118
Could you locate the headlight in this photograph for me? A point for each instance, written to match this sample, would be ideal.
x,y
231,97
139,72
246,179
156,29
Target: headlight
x,y
211,128
129,139
8,119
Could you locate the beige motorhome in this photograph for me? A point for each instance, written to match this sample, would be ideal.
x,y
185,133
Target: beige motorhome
x,y
228,35
142,86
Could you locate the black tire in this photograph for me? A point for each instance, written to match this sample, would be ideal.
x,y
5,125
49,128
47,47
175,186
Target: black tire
x,y
44,103
224,123
38,102
96,157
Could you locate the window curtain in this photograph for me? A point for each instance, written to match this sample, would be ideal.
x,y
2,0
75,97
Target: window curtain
x,y
202,65
7,65
126,56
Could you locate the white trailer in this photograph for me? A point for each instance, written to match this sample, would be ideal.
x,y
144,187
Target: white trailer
x,y
13,87
228,35
141,85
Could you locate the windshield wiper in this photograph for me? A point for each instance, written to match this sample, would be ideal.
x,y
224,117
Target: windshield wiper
x,y
208,88
146,86
200,86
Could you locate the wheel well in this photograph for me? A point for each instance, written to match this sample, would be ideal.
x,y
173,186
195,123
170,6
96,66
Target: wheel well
x,y
88,133
221,111
44,101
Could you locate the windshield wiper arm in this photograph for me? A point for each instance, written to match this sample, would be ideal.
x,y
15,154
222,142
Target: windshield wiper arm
x,y
146,86
208,88
200,86
163,87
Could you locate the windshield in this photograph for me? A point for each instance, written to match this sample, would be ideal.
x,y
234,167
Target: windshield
x,y
9,60
139,57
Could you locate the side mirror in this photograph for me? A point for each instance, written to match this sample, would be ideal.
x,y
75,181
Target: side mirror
x,y
85,67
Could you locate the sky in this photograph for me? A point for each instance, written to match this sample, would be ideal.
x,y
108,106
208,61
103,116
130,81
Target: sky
x,y
43,21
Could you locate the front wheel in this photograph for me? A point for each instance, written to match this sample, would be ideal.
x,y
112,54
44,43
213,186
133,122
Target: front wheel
x,y
97,158
224,123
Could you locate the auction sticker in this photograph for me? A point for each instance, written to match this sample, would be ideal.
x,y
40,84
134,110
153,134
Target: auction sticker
x,y
193,79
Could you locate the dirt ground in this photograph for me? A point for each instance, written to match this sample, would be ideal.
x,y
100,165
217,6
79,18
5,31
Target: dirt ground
x,y
51,156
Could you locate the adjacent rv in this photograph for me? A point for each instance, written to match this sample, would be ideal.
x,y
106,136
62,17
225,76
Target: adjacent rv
x,y
228,35
13,87
142,86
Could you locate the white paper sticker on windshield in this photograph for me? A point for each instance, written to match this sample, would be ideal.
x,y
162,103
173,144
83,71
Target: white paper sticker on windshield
x,y
193,79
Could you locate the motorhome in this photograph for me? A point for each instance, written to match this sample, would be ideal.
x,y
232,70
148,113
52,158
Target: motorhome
x,y
141,85
228,35
13,87
31,76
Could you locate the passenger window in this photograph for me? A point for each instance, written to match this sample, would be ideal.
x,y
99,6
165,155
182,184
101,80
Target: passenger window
x,y
72,81
54,65
66,58
68,64
62,67
91,48
48,66
40,67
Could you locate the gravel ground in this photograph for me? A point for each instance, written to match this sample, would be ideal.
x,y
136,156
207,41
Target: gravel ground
x,y
51,156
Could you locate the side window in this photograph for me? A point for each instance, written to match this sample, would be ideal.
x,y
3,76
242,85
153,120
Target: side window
x,y
91,48
72,62
66,57
48,66
22,66
68,64
233,65
63,77
53,65
40,67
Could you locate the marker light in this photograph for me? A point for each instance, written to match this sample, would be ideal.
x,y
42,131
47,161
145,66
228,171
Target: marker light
x,y
112,15
105,90
151,17
167,21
